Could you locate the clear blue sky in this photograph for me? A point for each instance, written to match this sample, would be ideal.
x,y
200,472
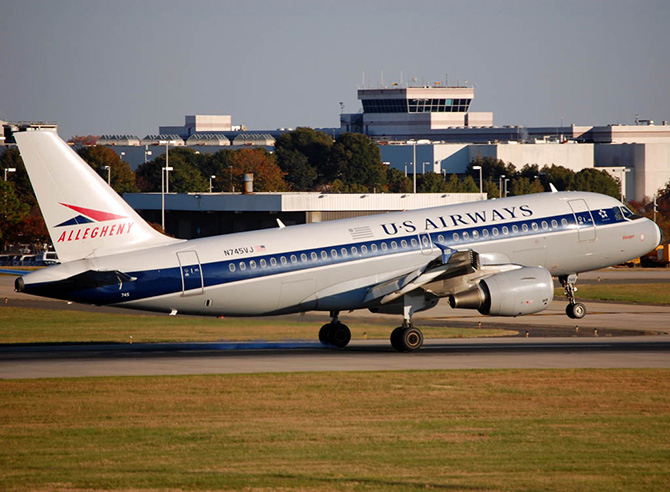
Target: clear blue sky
x,y
119,66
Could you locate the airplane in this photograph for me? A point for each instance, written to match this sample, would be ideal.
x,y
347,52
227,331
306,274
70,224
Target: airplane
x,y
494,256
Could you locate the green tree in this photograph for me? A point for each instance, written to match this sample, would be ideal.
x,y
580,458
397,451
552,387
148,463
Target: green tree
x,y
11,159
433,183
398,182
184,178
12,210
99,157
596,181
304,155
358,161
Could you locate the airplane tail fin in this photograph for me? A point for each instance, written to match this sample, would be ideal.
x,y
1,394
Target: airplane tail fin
x,y
85,217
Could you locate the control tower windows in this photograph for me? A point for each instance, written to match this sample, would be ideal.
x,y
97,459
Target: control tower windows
x,y
416,105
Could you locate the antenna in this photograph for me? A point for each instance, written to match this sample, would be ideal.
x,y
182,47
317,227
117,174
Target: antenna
x,y
400,78
364,79
382,79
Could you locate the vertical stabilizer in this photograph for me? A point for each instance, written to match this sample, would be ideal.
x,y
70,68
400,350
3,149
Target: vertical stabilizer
x,y
84,215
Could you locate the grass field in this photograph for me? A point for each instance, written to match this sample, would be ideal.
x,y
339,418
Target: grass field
x,y
510,430
658,293
19,325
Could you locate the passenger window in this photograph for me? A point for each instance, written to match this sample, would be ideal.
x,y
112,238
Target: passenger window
x,y
294,259
344,252
475,234
515,228
283,260
273,261
545,226
252,264
231,267
243,266
263,263
456,236
554,224
495,232
534,226
564,222
485,233
505,230
303,257
403,243
324,255
314,256
354,250
384,247
333,253
364,249
373,248
524,227
466,235
440,238
394,245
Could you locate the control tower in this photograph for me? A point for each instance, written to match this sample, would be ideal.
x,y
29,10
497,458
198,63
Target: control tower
x,y
414,112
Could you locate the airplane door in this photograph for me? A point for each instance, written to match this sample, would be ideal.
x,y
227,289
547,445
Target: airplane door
x,y
426,244
586,225
191,273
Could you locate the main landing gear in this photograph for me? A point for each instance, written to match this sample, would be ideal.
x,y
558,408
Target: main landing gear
x,y
406,338
335,333
574,310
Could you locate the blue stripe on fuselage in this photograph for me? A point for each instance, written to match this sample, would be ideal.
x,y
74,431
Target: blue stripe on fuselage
x,y
153,283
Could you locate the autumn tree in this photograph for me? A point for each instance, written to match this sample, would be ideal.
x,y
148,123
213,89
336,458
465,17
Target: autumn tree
x,y
259,162
100,157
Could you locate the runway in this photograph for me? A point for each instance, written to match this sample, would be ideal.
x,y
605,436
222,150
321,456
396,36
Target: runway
x,y
62,361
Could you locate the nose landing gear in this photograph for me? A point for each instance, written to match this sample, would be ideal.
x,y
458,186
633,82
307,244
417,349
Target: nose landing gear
x,y
574,310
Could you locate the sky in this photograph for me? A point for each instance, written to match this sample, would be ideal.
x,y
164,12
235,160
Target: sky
x,y
127,67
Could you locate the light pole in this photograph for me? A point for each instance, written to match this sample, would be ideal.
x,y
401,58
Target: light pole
x,y
122,154
500,184
232,189
623,181
210,182
480,178
146,153
413,142
9,170
109,174
506,180
164,178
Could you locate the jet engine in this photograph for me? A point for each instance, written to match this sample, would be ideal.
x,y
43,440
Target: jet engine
x,y
526,290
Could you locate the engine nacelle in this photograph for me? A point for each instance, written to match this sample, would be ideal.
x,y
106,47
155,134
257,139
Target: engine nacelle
x,y
526,290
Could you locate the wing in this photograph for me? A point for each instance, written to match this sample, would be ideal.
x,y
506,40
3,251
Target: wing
x,y
452,272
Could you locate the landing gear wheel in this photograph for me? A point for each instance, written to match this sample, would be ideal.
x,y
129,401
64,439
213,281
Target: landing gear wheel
x,y
339,335
396,339
323,334
335,334
576,311
406,339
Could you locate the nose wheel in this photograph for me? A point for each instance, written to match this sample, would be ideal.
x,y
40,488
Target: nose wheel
x,y
574,309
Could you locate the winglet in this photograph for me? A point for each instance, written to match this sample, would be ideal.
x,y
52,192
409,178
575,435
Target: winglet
x,y
447,252
280,224
553,188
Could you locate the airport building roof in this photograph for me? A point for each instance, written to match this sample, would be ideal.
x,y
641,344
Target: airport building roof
x,y
208,139
254,139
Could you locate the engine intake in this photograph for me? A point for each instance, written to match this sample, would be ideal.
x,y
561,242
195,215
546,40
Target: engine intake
x,y
526,290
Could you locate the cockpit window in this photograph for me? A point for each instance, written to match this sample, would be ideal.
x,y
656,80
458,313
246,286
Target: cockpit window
x,y
628,214
617,214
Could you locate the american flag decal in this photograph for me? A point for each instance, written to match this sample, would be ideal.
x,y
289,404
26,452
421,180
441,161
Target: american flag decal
x,y
361,232
259,248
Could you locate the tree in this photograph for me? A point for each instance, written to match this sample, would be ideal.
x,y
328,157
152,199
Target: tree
x,y
358,161
304,155
122,177
258,161
398,182
84,140
433,183
184,178
12,210
596,181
